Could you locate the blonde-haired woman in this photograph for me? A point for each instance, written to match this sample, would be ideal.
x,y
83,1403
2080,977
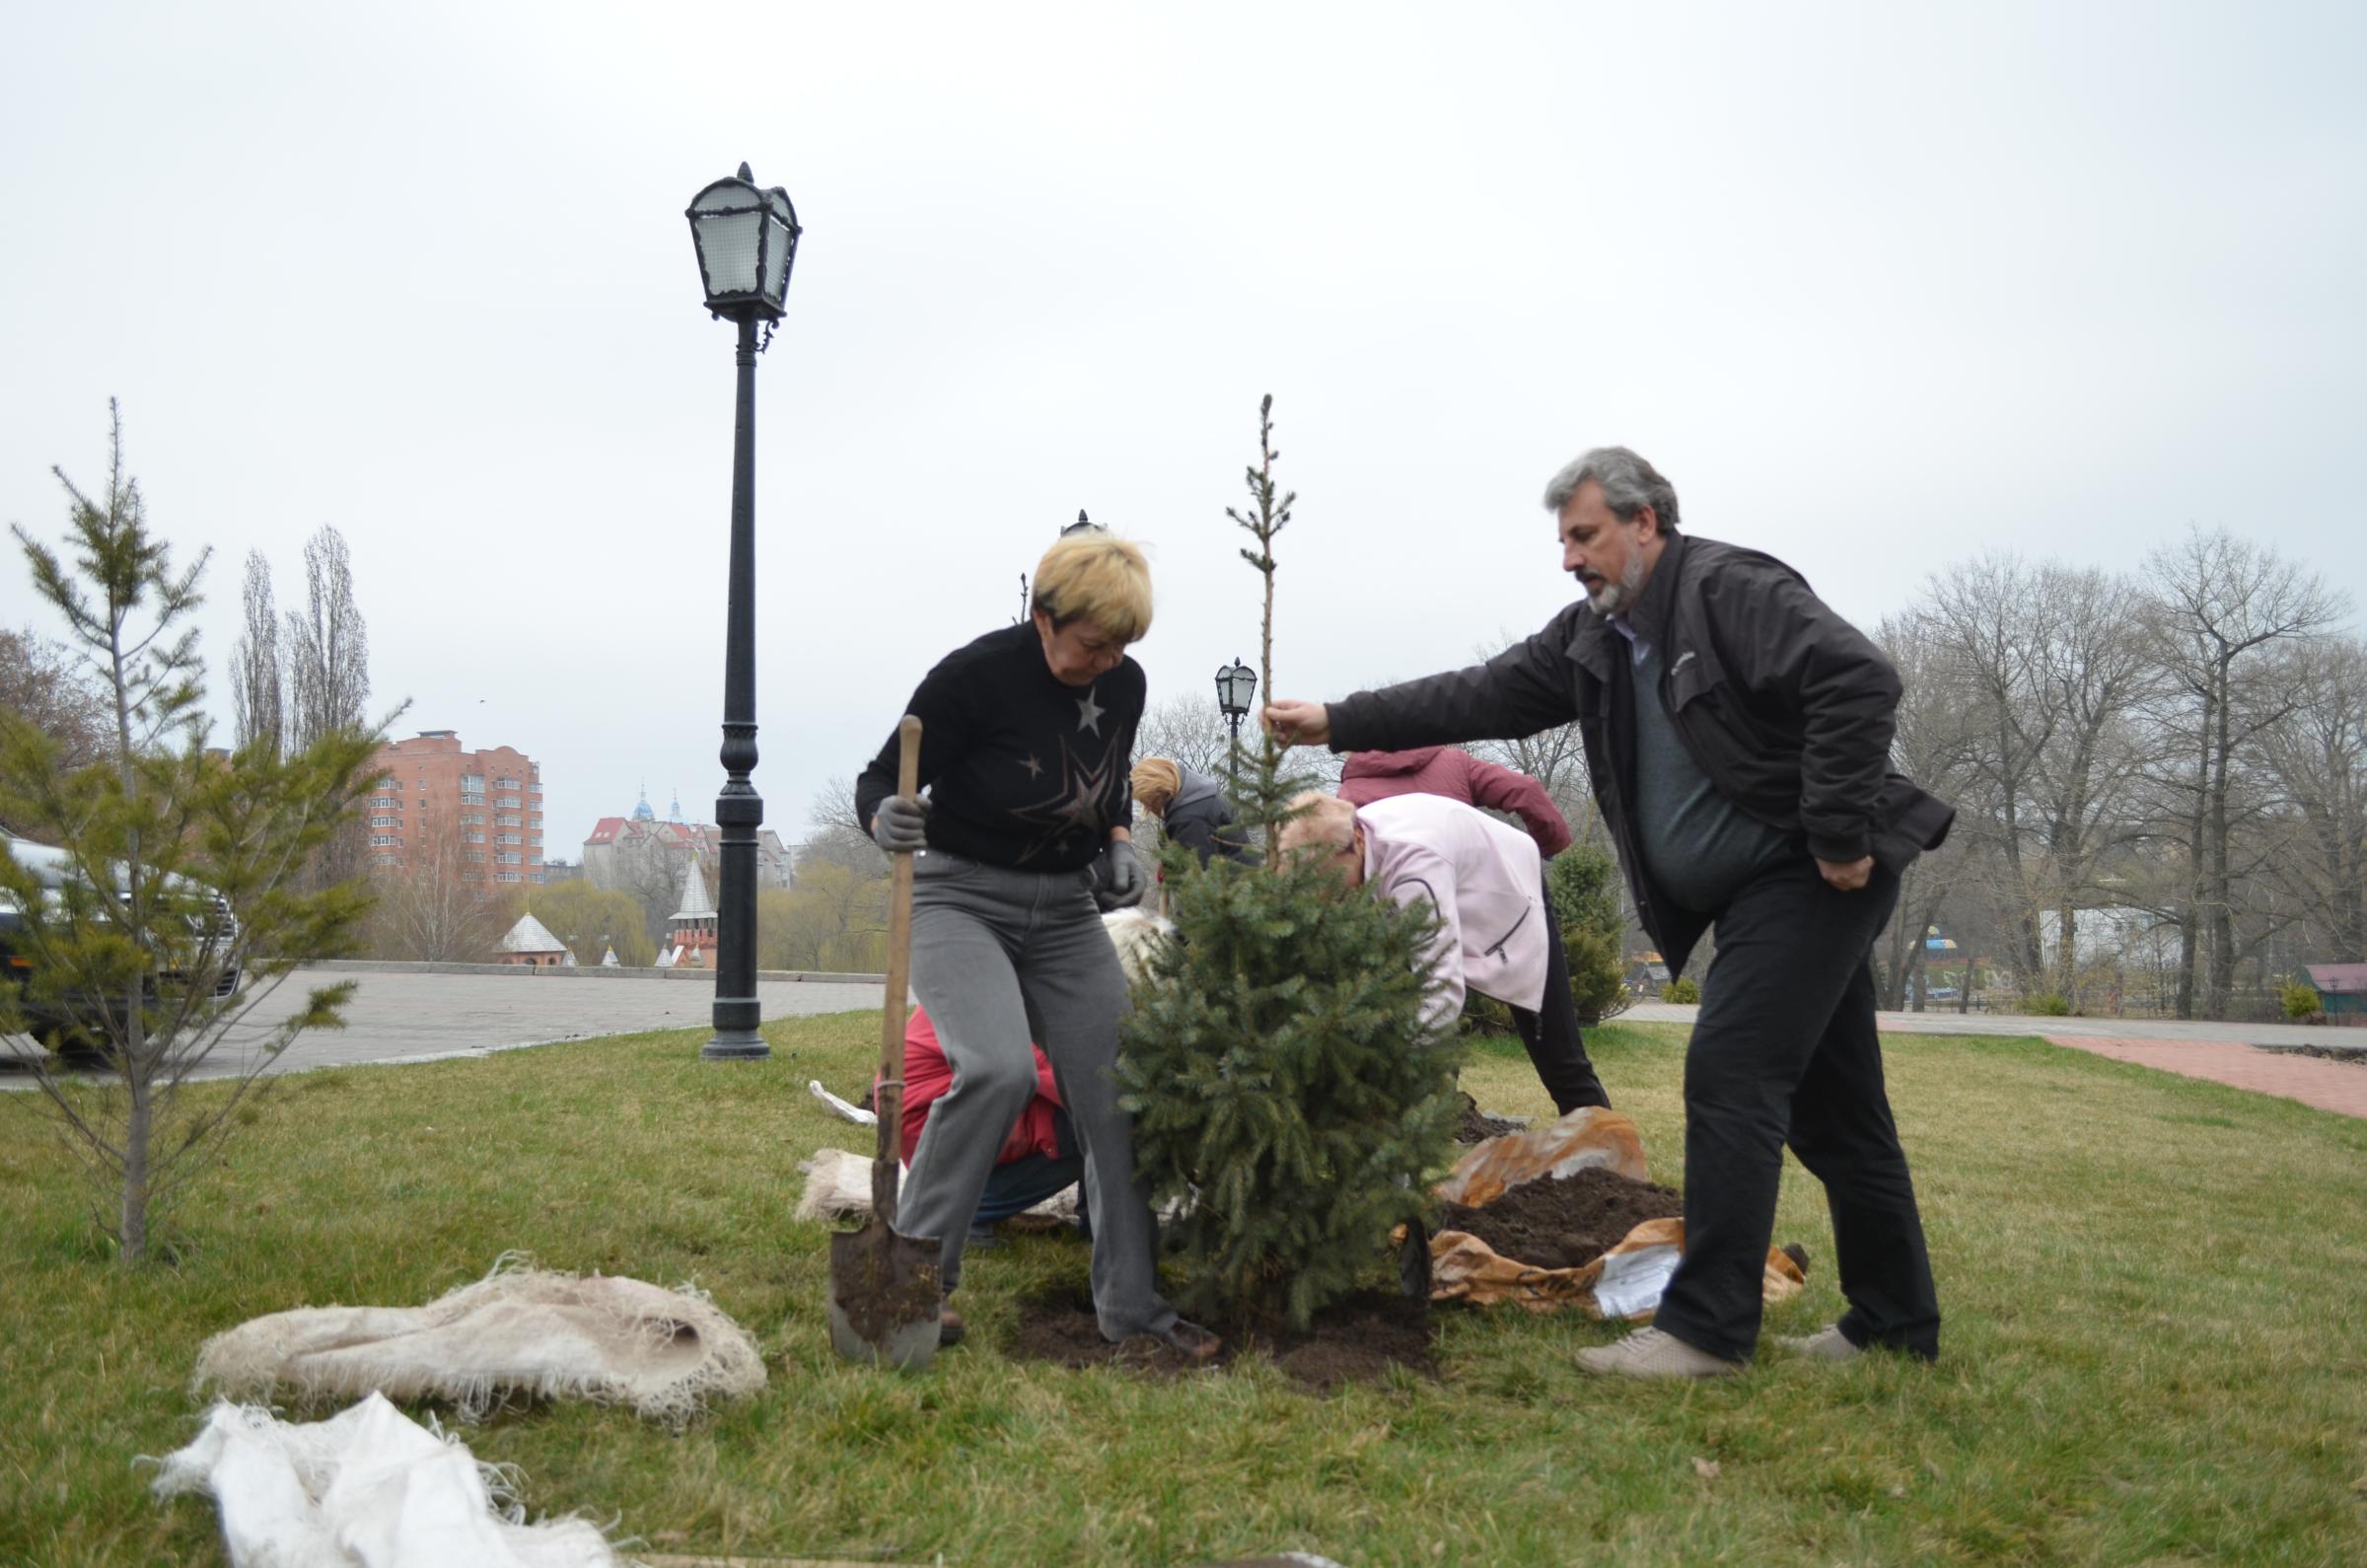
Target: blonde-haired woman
x,y
1025,736
1191,807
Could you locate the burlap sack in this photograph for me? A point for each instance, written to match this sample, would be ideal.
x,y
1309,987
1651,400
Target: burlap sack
x,y
1624,1282
1588,1136
518,1331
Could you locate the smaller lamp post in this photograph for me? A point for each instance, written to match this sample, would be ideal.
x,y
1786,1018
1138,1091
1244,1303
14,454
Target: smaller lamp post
x,y
1235,684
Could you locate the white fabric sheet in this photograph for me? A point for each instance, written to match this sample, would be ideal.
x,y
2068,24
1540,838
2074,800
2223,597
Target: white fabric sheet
x,y
367,1488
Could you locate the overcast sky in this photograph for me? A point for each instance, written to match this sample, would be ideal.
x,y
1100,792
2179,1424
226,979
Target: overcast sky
x,y
1877,290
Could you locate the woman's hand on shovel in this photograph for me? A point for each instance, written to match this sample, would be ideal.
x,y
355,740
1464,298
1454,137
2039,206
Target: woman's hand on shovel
x,y
901,827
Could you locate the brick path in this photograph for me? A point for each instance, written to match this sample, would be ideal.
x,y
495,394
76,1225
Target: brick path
x,y
2340,1086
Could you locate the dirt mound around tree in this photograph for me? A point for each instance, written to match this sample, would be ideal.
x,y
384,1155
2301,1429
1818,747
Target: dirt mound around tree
x,y
1564,1222
1355,1340
1478,1127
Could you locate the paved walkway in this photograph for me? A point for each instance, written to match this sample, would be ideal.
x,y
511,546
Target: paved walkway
x,y
2224,1053
2340,1086
412,1016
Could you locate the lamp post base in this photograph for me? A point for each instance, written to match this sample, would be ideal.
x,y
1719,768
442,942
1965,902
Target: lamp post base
x,y
736,1038
735,1046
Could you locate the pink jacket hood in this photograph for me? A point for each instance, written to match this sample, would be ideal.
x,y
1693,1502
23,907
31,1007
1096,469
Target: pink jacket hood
x,y
1389,764
1485,882
1458,776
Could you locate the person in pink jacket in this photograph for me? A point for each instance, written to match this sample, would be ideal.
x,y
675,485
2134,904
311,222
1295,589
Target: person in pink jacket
x,y
1038,1159
1497,932
1458,775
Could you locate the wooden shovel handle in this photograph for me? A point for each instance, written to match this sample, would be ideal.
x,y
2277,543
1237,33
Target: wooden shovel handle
x,y
889,1100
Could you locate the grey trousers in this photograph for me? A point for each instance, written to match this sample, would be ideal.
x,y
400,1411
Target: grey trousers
x,y
1001,958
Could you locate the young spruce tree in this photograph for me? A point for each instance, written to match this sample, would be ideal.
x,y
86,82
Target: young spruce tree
x,y
1276,1062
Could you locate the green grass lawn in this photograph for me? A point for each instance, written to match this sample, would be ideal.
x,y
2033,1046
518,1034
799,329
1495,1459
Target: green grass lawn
x,y
2155,1289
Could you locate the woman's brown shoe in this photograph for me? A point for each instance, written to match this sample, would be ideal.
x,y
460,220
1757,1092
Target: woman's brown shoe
x,y
1196,1345
949,1328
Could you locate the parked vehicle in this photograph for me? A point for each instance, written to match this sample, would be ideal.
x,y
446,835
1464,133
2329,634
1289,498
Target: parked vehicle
x,y
66,1023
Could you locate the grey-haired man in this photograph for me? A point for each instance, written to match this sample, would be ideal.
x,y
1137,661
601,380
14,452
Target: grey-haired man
x,y
1738,737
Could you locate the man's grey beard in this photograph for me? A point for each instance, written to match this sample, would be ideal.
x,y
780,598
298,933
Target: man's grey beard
x,y
1613,597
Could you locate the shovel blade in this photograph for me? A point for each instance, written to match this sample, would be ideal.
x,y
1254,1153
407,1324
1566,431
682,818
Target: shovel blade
x,y
884,1295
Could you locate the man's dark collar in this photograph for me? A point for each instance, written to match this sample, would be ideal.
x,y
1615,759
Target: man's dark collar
x,y
1650,617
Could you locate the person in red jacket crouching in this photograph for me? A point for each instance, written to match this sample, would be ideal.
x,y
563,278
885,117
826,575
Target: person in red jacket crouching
x,y
1038,1159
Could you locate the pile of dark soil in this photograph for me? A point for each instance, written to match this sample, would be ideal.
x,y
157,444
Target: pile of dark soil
x,y
1564,1222
1355,1340
1478,1127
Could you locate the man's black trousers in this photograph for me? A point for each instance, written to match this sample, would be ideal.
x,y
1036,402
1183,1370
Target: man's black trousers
x,y
1785,1052
1556,1049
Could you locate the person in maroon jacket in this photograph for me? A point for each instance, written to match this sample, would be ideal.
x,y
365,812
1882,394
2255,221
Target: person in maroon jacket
x,y
1448,771
1038,1161
1556,1045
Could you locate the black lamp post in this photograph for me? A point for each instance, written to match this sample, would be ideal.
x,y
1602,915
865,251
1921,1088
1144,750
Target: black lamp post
x,y
747,240
1235,684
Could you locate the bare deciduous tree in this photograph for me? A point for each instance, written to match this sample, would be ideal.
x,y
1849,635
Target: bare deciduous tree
x,y
2220,608
257,675
328,677
42,683
2318,753
329,645
1932,746
838,835
435,908
1190,731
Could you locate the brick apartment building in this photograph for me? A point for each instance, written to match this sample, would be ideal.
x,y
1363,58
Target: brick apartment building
x,y
484,809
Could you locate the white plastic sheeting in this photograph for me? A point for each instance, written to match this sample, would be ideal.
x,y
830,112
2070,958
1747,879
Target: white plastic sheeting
x,y
367,1488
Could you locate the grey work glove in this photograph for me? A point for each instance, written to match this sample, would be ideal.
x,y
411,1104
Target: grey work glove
x,y
1125,884
900,826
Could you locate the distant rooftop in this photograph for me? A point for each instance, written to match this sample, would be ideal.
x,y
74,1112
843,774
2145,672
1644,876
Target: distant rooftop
x,y
2331,979
530,935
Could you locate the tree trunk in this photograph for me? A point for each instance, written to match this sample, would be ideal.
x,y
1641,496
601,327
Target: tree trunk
x,y
133,1217
2219,909
2189,913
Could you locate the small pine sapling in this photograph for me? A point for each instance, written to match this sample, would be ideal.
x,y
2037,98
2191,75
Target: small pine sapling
x,y
1276,1062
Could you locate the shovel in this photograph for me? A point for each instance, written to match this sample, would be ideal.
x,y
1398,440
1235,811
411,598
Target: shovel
x,y
884,1288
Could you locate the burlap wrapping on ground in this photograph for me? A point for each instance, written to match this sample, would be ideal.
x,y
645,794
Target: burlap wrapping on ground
x,y
1624,1282
838,1187
518,1330
1589,1136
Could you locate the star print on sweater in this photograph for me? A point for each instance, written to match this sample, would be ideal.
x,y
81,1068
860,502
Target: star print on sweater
x,y
1023,770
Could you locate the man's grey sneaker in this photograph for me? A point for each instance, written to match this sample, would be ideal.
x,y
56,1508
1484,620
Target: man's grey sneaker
x,y
1650,1353
1825,1344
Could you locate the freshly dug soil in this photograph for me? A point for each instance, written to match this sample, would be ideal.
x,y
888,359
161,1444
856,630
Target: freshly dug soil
x,y
1354,1340
883,1282
1478,1127
1564,1222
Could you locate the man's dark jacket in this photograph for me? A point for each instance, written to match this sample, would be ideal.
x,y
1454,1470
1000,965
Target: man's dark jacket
x,y
1786,707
